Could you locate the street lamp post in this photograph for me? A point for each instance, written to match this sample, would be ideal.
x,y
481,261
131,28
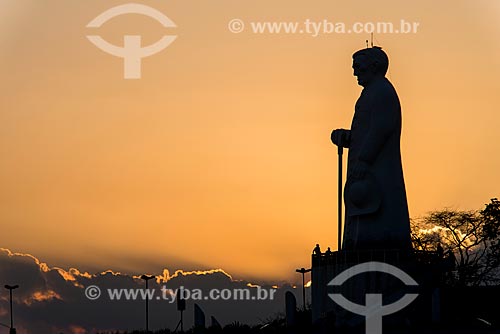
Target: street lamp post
x,y
181,307
10,288
303,272
147,278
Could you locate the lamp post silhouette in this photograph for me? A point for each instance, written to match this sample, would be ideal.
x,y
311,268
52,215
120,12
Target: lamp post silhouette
x,y
303,272
147,278
10,288
181,307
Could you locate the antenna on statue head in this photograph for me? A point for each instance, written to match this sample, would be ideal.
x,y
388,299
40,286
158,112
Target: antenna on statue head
x,y
367,44
372,39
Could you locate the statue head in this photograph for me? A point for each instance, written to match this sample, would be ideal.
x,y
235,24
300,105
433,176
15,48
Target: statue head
x,y
369,63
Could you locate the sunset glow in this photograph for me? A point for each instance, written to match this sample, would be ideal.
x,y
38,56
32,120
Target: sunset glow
x,y
220,155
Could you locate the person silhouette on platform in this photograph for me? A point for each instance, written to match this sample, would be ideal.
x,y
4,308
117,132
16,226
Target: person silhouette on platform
x,y
440,251
317,250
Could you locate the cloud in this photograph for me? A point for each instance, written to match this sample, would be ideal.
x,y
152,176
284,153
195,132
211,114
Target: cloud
x,y
52,299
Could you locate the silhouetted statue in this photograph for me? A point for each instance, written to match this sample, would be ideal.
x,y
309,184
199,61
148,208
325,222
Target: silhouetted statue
x,y
328,251
215,324
199,317
317,250
374,194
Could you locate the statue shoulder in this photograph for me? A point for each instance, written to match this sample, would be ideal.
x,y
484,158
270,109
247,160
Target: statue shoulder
x,y
384,91
383,87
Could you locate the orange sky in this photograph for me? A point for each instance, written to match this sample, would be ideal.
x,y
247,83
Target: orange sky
x,y
219,156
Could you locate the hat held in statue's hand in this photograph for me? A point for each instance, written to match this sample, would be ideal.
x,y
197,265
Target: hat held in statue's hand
x,y
362,196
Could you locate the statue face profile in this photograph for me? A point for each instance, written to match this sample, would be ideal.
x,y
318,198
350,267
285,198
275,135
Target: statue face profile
x,y
364,69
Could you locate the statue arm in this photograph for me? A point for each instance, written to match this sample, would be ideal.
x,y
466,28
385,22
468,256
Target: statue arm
x,y
384,121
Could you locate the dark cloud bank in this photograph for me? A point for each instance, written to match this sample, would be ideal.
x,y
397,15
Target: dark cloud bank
x,y
52,300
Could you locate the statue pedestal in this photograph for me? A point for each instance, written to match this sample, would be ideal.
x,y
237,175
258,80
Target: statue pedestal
x,y
424,268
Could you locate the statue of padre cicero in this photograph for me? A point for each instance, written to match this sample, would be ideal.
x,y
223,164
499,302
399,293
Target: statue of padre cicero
x,y
376,210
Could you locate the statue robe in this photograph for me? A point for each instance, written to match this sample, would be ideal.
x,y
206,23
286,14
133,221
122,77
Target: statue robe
x,y
375,138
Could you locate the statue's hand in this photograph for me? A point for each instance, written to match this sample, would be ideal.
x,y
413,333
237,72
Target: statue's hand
x,y
360,169
340,137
